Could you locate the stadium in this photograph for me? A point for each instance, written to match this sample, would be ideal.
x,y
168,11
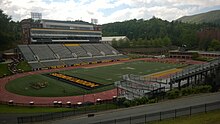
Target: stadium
x,y
70,64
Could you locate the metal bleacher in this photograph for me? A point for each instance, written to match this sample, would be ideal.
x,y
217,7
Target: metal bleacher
x,y
109,58
78,50
103,48
71,62
91,49
111,48
52,63
27,53
55,55
36,65
88,60
61,51
42,51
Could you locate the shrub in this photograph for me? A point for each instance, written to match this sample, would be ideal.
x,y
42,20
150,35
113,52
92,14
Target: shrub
x,y
186,91
138,101
134,103
121,101
127,103
173,94
144,100
152,100
204,89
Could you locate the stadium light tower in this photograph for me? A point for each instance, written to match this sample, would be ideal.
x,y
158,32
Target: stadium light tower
x,y
94,21
36,16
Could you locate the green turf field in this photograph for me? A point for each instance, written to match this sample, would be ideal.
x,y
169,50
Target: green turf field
x,y
110,74
103,75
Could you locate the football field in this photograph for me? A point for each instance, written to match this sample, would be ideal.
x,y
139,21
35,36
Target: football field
x,y
105,75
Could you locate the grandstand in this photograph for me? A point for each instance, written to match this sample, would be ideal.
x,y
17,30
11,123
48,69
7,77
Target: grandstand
x,y
27,53
104,49
42,52
91,50
56,31
60,51
61,55
55,44
77,50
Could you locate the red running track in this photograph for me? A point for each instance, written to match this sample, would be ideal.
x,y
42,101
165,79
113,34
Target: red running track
x,y
5,96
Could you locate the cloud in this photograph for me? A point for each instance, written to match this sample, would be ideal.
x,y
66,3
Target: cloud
x,y
105,10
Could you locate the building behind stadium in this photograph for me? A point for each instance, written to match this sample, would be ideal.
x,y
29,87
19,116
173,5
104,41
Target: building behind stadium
x,y
55,31
55,43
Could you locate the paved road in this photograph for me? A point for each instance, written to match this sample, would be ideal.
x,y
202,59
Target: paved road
x,y
140,110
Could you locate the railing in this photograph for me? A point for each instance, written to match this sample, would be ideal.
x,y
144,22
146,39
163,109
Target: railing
x,y
144,118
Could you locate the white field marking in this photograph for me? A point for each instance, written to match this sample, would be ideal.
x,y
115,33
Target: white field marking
x,y
109,64
128,68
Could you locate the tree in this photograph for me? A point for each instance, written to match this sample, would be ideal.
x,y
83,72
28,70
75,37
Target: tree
x,y
167,41
114,43
214,45
172,33
9,31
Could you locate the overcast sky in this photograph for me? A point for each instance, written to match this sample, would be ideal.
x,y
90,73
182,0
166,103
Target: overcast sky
x,y
106,10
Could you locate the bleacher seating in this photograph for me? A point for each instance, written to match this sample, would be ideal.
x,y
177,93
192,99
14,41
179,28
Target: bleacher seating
x,y
61,50
60,55
105,58
78,50
103,48
52,63
42,51
120,57
111,48
88,59
71,62
91,49
36,65
26,52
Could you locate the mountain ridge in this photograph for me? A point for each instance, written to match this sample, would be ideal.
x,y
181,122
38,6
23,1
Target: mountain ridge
x,y
207,17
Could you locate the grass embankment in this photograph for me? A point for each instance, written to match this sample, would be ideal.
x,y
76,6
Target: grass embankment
x,y
23,65
212,117
23,110
4,70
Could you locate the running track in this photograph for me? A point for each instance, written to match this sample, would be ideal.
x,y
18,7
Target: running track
x,y
5,96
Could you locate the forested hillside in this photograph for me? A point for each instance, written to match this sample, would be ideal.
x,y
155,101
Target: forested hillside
x,y
208,17
10,32
156,33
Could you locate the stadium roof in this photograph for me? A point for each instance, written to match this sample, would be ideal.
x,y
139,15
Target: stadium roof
x,y
113,37
70,22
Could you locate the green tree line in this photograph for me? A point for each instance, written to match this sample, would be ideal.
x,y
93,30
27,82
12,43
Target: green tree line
x,y
10,32
142,43
156,32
